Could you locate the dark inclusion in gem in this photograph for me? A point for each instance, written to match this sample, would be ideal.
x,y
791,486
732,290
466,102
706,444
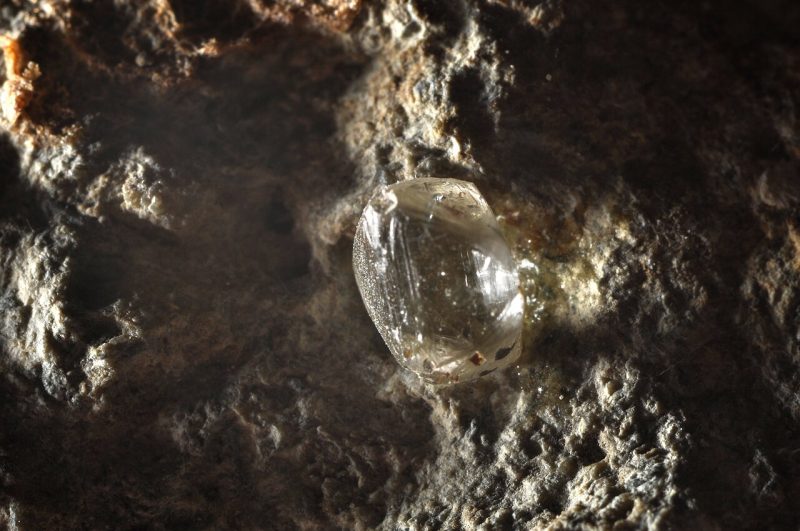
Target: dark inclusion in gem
x,y
503,352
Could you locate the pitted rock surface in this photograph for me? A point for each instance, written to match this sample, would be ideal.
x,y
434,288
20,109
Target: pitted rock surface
x,y
182,344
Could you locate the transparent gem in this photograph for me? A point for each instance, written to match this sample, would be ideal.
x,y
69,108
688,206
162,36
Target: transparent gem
x,y
438,279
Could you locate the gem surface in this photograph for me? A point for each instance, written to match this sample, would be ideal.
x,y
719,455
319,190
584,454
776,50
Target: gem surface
x,y
438,279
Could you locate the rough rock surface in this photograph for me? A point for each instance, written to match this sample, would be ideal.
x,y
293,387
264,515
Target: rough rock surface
x,y
182,343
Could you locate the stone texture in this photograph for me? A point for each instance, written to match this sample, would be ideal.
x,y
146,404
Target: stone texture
x,y
183,344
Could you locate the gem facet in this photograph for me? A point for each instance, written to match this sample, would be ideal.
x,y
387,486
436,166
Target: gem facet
x,y
438,279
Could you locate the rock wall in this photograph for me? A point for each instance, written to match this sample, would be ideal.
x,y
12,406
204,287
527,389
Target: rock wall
x,y
182,345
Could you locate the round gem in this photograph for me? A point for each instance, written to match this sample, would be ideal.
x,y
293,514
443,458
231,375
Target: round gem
x,y
438,279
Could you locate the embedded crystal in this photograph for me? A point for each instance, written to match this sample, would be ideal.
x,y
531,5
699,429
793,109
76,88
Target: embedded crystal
x,y
438,279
